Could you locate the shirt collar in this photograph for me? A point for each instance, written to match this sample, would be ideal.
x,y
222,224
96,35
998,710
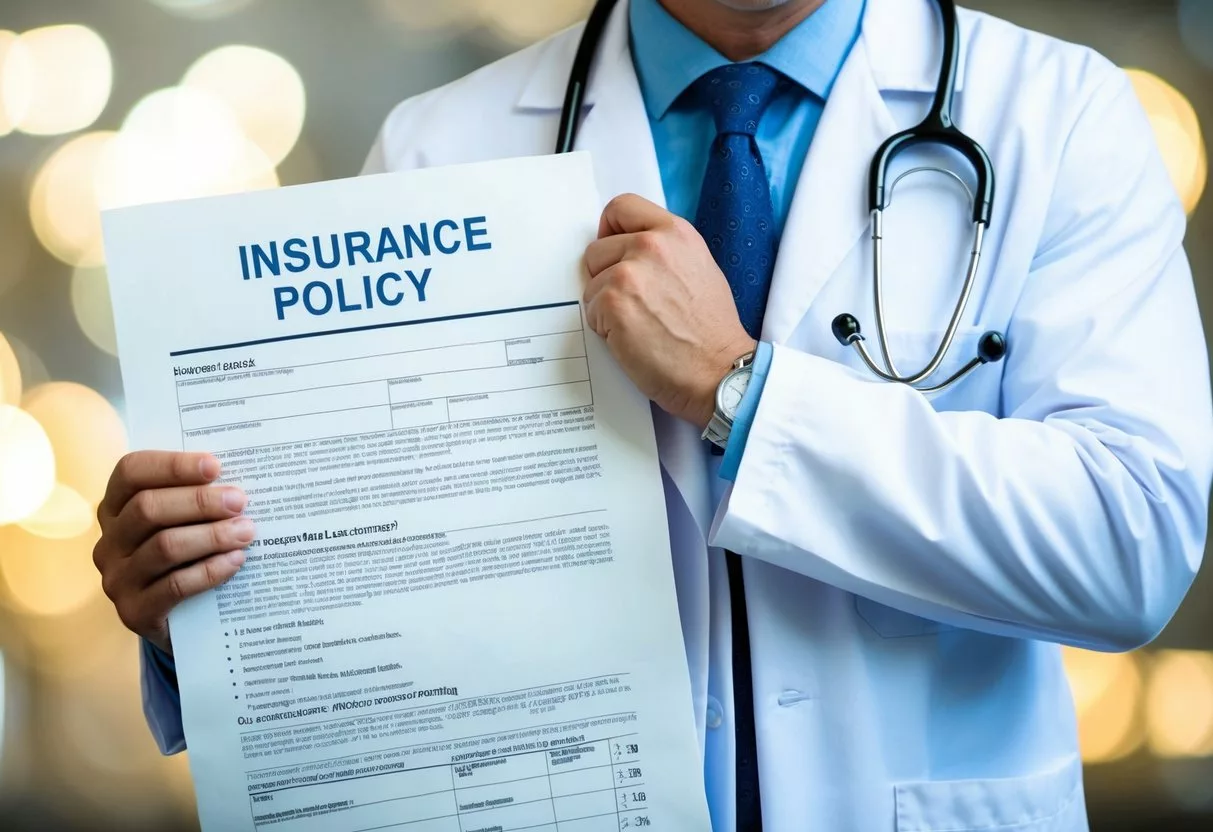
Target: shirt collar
x,y
669,57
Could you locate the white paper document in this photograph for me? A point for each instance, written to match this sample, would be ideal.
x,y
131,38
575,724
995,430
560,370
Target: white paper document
x,y
459,613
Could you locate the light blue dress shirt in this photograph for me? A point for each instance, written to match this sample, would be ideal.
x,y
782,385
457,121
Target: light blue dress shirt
x,y
669,58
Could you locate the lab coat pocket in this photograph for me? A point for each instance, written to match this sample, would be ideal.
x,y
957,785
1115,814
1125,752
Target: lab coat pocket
x,y
891,623
1051,801
913,349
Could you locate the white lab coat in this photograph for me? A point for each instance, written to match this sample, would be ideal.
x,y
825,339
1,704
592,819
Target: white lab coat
x,y
911,564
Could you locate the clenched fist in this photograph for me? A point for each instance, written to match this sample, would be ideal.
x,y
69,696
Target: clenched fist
x,y
167,534
664,307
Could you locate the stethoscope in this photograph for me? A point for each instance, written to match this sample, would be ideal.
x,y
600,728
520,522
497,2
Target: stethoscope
x,y
937,128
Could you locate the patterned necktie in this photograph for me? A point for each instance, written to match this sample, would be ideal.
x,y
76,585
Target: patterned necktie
x,y
735,214
737,220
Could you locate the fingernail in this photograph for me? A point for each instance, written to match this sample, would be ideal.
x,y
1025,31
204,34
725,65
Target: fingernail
x,y
209,467
236,557
233,500
243,529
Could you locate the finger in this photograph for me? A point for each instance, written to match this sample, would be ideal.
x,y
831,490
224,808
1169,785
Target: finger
x,y
601,305
171,549
161,508
157,601
142,470
629,213
595,287
605,252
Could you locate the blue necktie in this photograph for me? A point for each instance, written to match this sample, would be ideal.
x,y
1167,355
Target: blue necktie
x,y
735,214
737,219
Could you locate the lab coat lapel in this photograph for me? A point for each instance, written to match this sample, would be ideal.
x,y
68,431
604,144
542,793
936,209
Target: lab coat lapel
x,y
829,211
617,133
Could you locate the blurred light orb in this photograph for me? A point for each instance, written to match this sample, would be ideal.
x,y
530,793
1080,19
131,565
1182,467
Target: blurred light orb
x,y
64,515
63,205
45,576
201,9
15,72
68,80
93,309
302,166
10,374
262,89
27,465
180,143
33,371
1196,29
527,21
1107,691
86,432
427,15
1177,131
1179,704
55,647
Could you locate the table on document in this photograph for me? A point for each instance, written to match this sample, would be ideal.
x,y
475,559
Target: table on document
x,y
592,786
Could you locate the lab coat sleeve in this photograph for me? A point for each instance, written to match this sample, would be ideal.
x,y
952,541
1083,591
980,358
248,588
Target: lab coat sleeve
x,y
161,700
1080,515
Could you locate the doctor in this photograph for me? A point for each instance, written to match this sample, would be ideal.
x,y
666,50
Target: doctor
x,y
882,653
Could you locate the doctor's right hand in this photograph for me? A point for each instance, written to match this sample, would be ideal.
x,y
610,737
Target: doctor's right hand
x,y
167,534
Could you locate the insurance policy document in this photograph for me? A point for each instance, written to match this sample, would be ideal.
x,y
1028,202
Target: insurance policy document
x,y
459,613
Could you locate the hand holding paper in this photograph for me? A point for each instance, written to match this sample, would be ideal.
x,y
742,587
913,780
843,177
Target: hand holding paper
x,y
166,535
663,305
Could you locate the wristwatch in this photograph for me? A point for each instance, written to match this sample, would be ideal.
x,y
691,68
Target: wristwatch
x,y
729,394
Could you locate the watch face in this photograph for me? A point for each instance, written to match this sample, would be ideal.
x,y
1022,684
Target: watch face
x,y
732,391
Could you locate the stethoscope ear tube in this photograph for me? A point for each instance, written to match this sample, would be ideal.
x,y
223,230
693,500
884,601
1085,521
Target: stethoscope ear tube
x,y
579,75
880,193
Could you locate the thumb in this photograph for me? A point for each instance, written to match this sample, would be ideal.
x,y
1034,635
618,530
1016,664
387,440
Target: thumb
x,y
629,214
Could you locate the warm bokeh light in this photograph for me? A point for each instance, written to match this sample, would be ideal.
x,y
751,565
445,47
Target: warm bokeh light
x,y
69,79
64,515
64,209
93,309
53,645
527,21
1179,704
87,434
1177,130
10,374
14,81
201,9
27,465
180,143
263,91
1107,696
45,576
33,370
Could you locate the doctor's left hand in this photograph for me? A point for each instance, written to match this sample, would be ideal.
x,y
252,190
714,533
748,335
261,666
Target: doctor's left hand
x,y
663,305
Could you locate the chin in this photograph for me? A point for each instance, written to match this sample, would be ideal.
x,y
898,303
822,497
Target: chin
x,y
751,5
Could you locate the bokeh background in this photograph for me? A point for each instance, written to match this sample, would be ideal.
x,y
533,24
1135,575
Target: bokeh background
x,y
114,102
